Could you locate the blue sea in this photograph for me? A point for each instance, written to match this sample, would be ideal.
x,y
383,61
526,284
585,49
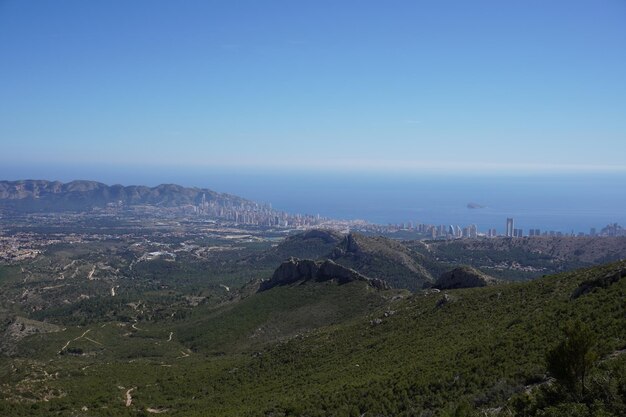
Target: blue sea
x,y
563,203
559,202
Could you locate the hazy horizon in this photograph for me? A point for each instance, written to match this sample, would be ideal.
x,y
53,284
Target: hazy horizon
x,y
559,202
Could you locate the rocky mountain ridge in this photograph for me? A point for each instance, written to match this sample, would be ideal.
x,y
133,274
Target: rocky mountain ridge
x,y
35,195
295,270
463,277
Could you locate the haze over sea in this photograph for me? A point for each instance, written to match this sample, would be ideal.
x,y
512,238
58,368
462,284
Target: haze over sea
x,y
560,202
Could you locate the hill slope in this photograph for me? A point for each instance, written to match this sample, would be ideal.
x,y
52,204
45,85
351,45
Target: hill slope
x,y
279,313
478,350
383,258
40,195
312,244
463,277
524,258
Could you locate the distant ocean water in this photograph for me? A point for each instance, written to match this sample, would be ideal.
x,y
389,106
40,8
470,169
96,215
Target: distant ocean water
x,y
548,202
559,203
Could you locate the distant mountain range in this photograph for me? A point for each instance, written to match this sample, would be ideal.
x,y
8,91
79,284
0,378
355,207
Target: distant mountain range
x,y
40,195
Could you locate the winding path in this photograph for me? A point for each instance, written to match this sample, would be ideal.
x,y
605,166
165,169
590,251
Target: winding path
x,y
129,397
75,339
185,355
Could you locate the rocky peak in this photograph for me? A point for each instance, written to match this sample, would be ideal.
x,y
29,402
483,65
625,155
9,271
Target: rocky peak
x,y
294,270
463,277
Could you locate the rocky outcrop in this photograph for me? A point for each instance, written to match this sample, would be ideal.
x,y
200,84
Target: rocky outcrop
x,y
463,277
18,328
380,257
297,270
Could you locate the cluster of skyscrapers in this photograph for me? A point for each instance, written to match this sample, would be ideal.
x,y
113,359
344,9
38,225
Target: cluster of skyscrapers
x,y
613,229
431,231
252,214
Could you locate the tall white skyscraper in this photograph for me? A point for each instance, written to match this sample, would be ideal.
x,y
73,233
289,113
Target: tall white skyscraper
x,y
510,228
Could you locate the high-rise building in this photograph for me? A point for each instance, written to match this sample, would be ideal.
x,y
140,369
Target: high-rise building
x,y
509,227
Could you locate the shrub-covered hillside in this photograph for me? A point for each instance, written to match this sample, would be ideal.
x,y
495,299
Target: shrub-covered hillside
x,y
480,351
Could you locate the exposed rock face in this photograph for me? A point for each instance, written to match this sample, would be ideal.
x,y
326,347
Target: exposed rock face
x,y
295,270
19,328
602,282
382,258
463,277
443,301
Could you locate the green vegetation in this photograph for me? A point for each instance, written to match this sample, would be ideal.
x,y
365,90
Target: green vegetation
x,y
571,360
383,258
327,349
86,326
522,259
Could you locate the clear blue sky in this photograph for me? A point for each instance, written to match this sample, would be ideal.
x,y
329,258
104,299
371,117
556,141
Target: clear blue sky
x,y
307,85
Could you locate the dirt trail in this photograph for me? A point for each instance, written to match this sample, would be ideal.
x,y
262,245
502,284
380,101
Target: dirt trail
x,y
185,355
170,338
129,397
157,410
614,355
52,287
75,339
93,341
90,275
71,264
28,274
